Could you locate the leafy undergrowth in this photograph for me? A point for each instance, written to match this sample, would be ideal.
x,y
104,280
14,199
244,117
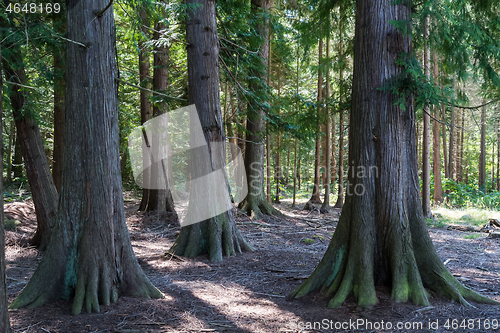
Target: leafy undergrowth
x,y
247,293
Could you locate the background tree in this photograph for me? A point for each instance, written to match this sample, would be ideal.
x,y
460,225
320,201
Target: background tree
x,y
255,204
42,186
77,263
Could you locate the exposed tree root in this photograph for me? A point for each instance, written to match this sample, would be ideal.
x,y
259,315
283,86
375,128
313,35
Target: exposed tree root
x,y
348,265
256,207
216,237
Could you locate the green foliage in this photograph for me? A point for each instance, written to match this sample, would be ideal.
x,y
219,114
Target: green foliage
x,y
467,195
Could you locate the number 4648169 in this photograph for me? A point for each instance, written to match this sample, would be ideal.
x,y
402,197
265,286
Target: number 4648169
x,y
33,8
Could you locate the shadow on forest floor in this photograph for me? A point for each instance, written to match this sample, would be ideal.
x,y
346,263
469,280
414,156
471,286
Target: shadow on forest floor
x,y
247,293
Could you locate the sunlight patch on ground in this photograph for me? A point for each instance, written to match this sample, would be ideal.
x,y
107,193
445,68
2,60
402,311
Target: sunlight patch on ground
x,y
238,304
474,216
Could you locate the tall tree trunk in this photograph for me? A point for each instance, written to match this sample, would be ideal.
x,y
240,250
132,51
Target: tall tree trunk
x,y
426,140
436,149
217,235
326,201
482,156
381,238
315,197
340,194
160,200
42,186
278,175
445,149
90,255
461,155
144,81
59,110
255,204
268,134
451,169
4,314
294,171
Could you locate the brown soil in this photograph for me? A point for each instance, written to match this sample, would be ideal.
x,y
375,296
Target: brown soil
x,y
247,293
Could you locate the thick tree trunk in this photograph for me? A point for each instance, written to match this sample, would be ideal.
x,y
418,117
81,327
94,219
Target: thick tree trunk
x,y
255,204
42,186
482,155
217,235
90,256
426,140
382,238
4,314
59,110
315,197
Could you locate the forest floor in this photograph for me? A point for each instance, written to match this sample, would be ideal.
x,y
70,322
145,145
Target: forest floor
x,y
247,292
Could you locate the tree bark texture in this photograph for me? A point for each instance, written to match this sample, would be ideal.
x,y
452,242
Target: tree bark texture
x,y
381,237
90,256
59,109
218,235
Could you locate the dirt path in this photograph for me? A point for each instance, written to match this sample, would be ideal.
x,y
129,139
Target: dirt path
x,y
247,293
